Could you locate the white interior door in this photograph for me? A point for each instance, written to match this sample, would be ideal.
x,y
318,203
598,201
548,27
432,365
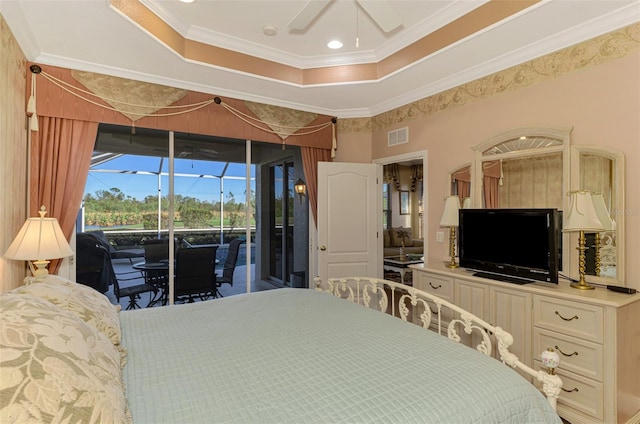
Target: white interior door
x,y
349,220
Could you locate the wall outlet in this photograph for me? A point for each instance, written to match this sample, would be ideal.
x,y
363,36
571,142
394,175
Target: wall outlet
x,y
440,236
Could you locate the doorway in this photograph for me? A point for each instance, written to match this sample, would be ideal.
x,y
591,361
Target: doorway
x,y
406,193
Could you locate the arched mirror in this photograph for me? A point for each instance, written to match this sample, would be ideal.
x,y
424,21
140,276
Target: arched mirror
x,y
524,168
601,171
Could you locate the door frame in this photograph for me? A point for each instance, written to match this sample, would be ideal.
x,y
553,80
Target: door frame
x,y
313,229
406,157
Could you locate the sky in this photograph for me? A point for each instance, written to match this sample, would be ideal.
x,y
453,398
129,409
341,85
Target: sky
x,y
204,187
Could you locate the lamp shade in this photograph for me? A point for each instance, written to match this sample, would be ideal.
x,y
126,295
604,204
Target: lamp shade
x,y
602,212
39,238
582,215
466,203
450,214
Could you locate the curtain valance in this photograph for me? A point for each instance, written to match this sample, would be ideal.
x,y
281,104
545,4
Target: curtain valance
x,y
391,175
154,106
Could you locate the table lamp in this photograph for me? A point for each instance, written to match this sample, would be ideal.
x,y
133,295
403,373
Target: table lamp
x,y
450,219
582,217
39,239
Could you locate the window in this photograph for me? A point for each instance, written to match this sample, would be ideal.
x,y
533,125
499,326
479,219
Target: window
x,y
386,206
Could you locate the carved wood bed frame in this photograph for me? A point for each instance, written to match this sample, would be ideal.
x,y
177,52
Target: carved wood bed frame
x,y
416,306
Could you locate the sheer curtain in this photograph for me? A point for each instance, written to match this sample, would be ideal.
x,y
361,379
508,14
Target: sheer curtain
x,y
60,160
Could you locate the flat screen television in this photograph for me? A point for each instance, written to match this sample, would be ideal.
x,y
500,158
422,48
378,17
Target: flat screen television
x,y
515,245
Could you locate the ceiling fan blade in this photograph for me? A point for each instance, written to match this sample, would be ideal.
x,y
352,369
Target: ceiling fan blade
x,y
209,151
308,13
382,14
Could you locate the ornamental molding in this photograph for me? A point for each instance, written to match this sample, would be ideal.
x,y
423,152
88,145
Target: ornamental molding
x,y
585,55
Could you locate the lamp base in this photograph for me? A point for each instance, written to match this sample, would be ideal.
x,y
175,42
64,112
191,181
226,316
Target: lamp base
x,y
452,264
582,286
39,268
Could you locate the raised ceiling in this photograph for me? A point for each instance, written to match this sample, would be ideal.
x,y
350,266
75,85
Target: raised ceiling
x,y
220,46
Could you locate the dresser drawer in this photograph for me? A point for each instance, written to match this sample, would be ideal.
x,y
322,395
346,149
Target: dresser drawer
x,y
573,318
576,355
434,284
580,393
441,287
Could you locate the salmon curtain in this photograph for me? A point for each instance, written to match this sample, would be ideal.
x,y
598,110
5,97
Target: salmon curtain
x,y
310,158
60,159
462,180
492,173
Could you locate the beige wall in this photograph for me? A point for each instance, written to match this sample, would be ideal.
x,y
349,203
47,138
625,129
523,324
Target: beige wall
x,y
600,102
13,153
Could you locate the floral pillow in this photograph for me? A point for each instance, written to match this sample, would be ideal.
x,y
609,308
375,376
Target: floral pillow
x,y
91,306
401,237
55,367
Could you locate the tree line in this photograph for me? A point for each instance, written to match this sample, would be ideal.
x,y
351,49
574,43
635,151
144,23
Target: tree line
x,y
113,208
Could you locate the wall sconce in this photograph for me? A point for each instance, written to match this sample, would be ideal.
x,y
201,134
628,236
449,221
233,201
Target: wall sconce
x,y
582,218
301,188
39,238
450,219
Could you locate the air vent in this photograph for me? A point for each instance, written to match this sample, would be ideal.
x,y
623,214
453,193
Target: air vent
x,y
399,136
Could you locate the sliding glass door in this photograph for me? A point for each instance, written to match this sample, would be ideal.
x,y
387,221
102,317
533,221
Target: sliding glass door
x,y
281,181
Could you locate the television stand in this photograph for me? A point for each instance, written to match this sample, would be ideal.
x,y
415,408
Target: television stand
x,y
502,277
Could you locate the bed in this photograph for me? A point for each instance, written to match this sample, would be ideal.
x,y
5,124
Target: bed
x,y
280,356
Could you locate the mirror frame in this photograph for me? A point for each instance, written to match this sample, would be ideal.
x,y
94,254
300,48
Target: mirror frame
x,y
564,134
617,158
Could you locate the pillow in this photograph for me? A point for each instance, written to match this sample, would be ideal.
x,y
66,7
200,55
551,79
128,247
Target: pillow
x,y
91,306
55,367
399,234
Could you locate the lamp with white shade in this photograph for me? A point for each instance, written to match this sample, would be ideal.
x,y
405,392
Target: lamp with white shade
x,y
39,240
582,217
450,219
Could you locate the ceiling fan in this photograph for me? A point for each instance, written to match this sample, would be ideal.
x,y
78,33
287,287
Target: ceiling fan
x,y
379,10
197,152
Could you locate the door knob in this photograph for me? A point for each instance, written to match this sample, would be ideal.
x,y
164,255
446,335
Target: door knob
x,y
323,248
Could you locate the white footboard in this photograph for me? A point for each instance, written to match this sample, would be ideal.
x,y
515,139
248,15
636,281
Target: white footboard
x,y
416,306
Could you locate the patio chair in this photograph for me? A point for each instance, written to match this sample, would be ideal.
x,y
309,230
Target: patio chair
x,y
94,268
156,250
195,275
229,264
130,253
133,292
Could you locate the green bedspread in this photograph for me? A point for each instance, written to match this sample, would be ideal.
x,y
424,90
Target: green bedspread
x,y
300,356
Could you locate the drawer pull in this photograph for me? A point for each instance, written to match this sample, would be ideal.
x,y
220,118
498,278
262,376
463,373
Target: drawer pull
x,y
433,312
575,389
567,319
566,354
435,287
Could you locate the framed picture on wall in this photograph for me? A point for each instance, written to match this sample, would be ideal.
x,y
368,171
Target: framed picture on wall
x,y
404,202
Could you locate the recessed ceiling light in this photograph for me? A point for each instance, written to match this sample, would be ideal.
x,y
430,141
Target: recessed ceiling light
x,y
187,1
334,44
269,30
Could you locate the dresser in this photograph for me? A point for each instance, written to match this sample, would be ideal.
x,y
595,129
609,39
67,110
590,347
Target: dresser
x,y
596,332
